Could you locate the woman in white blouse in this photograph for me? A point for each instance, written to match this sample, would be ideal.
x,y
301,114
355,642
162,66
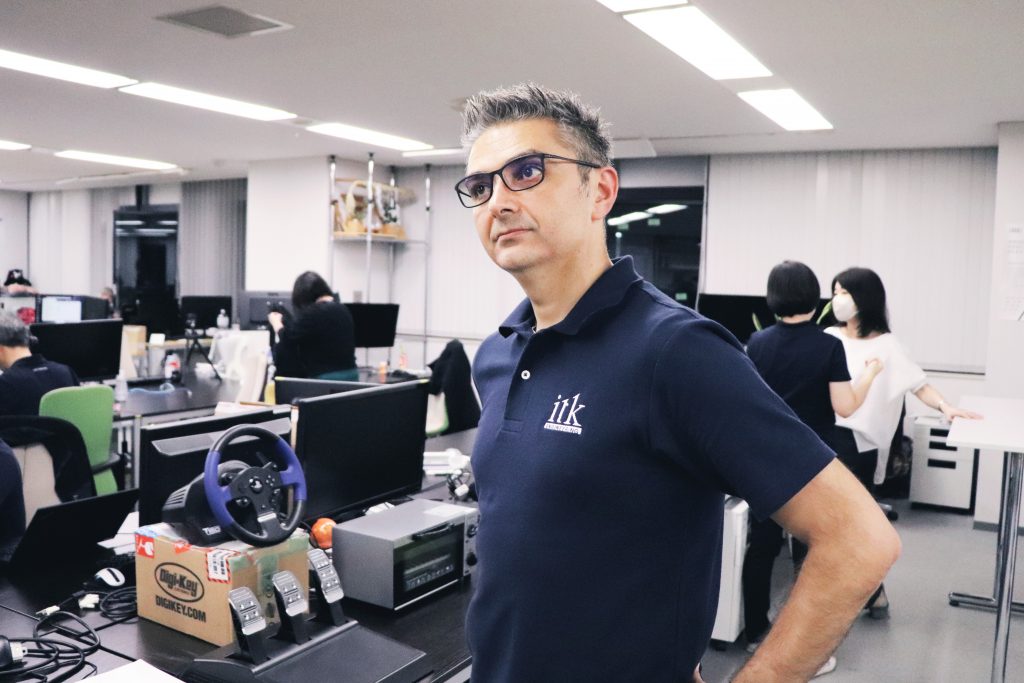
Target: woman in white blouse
x,y
859,305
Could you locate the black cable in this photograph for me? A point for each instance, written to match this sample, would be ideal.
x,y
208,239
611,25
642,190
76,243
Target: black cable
x,y
119,605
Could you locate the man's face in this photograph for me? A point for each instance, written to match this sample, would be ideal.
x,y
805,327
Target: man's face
x,y
546,224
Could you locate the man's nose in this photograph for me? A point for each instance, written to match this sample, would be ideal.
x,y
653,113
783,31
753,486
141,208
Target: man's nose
x,y
503,200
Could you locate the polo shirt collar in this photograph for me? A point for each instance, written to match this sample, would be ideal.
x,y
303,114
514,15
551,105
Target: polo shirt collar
x,y
607,291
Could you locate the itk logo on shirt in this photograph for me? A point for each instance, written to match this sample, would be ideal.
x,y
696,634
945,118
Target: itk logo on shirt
x,y
563,416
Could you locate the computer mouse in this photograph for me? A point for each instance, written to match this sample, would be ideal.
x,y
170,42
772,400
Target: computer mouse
x,y
110,577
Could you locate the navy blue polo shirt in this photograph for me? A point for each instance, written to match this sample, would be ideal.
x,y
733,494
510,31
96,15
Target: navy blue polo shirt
x,y
604,447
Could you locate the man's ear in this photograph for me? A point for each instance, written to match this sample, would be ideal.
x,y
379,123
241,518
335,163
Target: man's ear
x,y
605,192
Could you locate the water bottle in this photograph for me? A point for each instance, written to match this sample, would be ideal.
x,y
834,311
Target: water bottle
x,y
223,321
120,389
172,365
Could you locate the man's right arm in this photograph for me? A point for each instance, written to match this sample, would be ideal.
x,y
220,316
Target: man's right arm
x,y
852,546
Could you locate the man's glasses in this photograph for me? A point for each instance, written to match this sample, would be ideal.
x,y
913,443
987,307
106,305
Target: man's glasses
x,y
520,174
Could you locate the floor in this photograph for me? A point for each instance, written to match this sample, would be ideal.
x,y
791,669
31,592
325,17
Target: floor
x,y
925,639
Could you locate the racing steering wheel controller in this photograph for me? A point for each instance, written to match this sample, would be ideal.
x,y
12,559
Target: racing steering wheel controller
x,y
234,499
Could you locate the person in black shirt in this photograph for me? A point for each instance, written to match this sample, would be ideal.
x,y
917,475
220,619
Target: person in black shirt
x,y
12,503
320,341
26,376
807,369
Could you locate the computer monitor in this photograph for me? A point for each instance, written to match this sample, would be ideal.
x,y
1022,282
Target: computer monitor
x,y
173,454
22,306
287,390
361,447
91,348
374,324
255,306
55,308
734,311
205,309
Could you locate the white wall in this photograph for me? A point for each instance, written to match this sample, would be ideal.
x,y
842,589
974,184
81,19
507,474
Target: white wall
x,y
13,231
287,222
60,241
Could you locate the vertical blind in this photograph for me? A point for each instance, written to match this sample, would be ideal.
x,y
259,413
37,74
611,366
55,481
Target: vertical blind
x,y
922,219
211,237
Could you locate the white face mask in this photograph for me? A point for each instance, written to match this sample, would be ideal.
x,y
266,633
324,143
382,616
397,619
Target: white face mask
x,y
843,307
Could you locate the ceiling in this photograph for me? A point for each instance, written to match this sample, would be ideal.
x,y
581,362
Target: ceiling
x,y
918,73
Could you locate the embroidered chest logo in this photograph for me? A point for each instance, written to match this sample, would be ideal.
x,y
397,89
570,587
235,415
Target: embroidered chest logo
x,y
563,415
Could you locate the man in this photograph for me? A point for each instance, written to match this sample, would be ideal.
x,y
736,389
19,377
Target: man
x,y
613,420
12,504
26,377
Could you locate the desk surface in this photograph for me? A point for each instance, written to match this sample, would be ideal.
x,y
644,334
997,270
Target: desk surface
x,y
194,393
1002,428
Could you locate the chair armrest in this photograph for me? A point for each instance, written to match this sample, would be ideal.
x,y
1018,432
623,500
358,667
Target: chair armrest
x,y
111,462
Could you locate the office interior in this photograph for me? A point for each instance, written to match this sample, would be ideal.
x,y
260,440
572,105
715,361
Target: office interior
x,y
918,178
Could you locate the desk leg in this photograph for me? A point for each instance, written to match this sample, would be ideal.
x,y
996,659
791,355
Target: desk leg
x,y
1008,552
136,438
985,601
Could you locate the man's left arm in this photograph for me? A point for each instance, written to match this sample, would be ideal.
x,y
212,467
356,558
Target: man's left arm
x,y
852,545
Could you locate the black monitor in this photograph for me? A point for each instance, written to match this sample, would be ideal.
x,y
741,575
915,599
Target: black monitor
x,y
91,348
173,454
205,309
254,306
362,447
94,308
287,390
59,308
734,312
374,324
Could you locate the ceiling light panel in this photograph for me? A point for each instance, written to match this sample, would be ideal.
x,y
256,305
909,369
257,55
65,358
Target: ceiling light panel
x,y
13,146
666,208
628,218
114,160
440,152
65,72
637,5
191,98
370,137
786,108
693,36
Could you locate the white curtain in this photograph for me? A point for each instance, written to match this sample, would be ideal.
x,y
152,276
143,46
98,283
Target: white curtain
x,y
922,219
211,238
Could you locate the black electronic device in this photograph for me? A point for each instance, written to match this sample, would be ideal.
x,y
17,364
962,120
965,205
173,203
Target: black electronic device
x,y
287,390
362,447
174,453
374,325
257,504
71,530
204,309
255,306
291,606
249,622
325,587
735,312
92,348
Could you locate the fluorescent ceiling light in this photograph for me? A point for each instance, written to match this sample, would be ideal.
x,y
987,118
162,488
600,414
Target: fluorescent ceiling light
x,y
666,208
693,36
128,222
370,137
191,98
786,108
167,222
65,72
628,218
637,5
13,146
443,151
114,160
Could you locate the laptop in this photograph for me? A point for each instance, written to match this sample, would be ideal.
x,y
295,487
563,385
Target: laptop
x,y
65,534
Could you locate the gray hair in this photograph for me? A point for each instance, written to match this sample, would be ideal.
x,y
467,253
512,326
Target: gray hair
x,y
13,332
581,126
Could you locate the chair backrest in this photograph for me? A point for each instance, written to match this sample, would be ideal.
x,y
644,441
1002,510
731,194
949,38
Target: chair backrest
x,y
91,409
253,374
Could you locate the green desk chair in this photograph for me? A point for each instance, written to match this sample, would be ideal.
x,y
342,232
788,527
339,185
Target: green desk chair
x,y
91,409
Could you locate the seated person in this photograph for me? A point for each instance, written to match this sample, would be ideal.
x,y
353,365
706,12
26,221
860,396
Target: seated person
x,y
26,376
320,341
12,503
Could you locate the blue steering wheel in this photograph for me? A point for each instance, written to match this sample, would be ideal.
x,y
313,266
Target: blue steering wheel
x,y
261,488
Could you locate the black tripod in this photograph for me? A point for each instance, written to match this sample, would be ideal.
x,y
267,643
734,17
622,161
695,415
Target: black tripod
x,y
192,335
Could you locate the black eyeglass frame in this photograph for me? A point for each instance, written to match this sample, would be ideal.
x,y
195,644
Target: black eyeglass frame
x,y
543,156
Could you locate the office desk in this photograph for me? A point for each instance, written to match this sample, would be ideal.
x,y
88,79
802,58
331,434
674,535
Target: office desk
x,y
1001,430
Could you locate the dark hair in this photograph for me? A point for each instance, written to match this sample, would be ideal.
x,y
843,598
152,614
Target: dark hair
x,y
308,288
792,289
13,332
868,294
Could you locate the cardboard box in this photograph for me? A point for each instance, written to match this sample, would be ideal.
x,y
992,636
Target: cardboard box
x,y
185,587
